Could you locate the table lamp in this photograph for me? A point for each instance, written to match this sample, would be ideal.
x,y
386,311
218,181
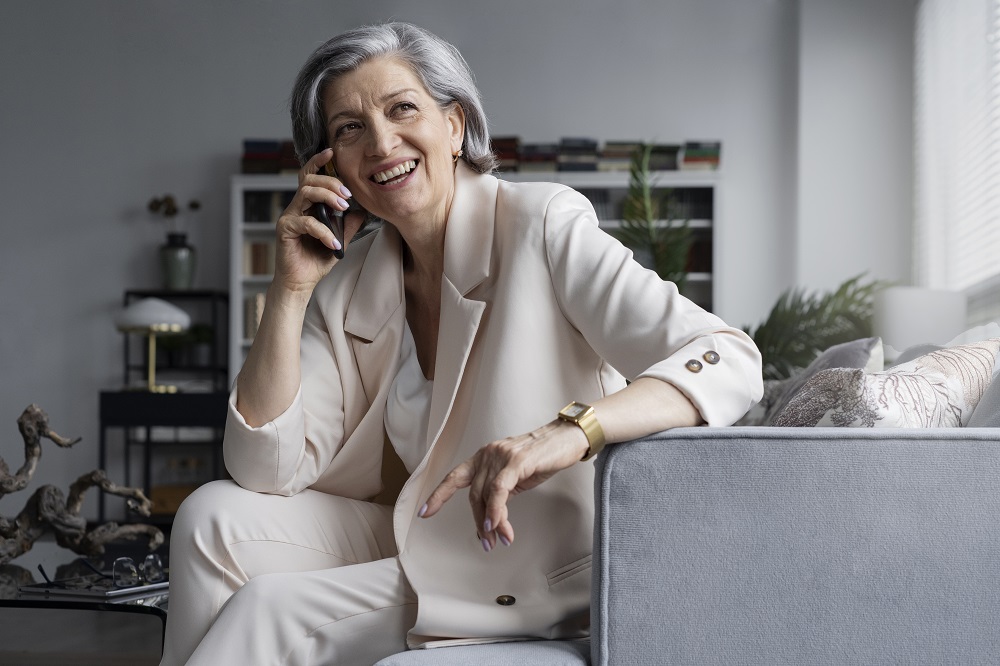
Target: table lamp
x,y
153,317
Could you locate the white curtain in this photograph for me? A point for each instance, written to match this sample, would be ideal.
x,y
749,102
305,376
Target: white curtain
x,y
957,123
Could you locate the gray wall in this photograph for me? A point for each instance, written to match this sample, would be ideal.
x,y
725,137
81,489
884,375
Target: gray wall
x,y
106,104
855,188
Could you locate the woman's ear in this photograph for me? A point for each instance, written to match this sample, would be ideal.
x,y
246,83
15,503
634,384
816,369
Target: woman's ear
x,y
456,122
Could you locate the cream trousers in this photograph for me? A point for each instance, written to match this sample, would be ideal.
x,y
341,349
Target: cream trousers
x,y
265,579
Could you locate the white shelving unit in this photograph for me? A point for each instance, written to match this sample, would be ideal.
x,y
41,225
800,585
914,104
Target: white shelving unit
x,y
256,201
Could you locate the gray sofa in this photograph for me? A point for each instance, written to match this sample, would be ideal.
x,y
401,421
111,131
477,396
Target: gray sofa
x,y
764,545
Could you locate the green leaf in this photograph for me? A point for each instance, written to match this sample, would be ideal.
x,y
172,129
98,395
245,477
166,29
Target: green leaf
x,y
800,326
643,225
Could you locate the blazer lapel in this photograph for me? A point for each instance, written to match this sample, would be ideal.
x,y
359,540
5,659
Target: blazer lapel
x,y
468,249
377,300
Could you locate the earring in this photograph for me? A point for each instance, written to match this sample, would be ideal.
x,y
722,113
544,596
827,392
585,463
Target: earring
x,y
455,156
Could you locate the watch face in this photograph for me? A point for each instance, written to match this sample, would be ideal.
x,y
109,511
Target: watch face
x,y
575,410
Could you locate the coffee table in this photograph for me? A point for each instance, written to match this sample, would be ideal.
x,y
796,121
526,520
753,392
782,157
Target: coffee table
x,y
73,633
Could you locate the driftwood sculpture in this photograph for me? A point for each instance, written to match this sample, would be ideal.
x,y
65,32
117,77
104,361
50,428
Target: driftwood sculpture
x,y
49,510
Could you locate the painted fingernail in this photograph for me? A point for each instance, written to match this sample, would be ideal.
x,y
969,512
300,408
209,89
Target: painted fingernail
x,y
346,192
486,544
342,202
504,540
487,525
422,511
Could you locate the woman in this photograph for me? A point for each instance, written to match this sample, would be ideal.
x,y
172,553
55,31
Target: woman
x,y
450,338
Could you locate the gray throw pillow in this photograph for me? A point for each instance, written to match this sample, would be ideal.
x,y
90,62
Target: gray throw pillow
x,y
916,351
864,353
987,412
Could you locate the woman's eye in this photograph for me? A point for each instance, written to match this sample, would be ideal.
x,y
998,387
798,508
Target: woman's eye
x,y
406,107
346,128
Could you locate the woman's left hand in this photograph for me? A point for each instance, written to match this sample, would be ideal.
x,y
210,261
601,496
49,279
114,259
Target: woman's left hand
x,y
508,467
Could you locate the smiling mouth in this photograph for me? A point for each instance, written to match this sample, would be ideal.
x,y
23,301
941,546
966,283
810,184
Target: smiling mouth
x,y
395,174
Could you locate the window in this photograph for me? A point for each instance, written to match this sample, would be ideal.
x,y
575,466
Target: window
x,y
957,123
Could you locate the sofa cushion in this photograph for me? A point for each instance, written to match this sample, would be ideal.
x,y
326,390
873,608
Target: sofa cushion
x,y
864,353
935,390
527,653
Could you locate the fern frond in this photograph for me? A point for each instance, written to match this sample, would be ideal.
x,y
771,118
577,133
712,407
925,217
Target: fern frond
x,y
800,326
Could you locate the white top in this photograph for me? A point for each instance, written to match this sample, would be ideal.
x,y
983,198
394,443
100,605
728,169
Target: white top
x,y
408,406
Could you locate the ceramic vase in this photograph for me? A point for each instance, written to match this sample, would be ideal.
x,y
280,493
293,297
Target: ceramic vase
x,y
177,260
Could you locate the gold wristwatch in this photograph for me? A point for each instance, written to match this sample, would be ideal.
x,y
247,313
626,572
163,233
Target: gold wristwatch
x,y
583,416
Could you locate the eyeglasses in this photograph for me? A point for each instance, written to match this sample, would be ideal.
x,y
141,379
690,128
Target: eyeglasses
x,y
125,573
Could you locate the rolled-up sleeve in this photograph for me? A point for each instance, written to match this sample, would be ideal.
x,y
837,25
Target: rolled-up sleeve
x,y
289,453
254,455
639,323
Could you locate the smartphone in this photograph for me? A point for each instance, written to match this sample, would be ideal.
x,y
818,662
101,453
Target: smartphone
x,y
332,218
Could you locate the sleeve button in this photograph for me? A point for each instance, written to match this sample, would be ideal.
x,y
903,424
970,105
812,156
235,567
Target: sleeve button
x,y
693,365
712,357
506,600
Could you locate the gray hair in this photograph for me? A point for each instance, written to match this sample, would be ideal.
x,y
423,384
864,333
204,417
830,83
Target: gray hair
x,y
438,64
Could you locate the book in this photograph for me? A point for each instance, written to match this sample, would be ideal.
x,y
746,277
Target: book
x,y
507,149
663,157
577,154
701,155
617,155
538,157
258,257
268,156
287,161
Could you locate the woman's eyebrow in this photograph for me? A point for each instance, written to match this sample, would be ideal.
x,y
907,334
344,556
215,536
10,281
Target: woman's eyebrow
x,y
385,98
330,119
396,93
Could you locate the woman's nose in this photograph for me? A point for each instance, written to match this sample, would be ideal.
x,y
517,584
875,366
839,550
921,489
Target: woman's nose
x,y
382,139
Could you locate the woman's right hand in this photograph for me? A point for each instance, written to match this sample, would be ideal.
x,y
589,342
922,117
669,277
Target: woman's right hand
x,y
304,244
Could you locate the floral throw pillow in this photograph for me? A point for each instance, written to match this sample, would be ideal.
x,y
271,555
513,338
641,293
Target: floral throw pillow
x,y
864,353
939,389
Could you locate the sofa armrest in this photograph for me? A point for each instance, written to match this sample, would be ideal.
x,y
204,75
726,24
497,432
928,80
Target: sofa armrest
x,y
798,545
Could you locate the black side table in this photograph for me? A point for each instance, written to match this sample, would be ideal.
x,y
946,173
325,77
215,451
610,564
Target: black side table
x,y
139,409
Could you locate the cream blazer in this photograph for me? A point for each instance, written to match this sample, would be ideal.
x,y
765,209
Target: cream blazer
x,y
538,307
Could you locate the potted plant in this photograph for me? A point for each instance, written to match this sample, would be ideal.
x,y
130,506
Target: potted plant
x,y
177,257
648,226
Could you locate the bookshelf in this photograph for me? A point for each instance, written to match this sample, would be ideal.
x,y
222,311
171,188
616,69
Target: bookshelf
x,y
257,200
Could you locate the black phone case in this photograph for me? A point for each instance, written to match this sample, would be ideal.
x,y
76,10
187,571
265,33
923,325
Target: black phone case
x,y
334,220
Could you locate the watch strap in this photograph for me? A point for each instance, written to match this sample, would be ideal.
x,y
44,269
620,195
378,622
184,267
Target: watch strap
x,y
584,416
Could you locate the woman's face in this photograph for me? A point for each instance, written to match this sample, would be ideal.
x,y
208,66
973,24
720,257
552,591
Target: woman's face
x,y
392,143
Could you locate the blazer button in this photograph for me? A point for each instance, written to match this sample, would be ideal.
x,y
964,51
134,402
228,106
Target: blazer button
x,y
711,357
506,600
693,365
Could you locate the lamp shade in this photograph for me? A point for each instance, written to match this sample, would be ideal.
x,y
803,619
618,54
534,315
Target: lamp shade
x,y
153,313
908,316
